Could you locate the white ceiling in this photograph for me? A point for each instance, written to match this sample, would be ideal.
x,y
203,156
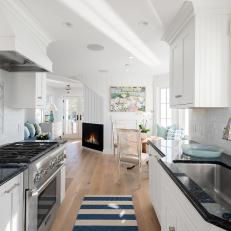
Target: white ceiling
x,y
69,53
55,81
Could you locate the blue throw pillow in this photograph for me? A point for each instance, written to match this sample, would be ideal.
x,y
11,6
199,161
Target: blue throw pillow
x,y
171,134
38,130
179,134
31,129
161,131
26,133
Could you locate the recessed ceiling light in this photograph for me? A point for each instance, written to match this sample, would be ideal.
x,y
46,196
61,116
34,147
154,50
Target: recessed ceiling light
x,y
130,57
143,23
68,24
103,71
127,65
95,47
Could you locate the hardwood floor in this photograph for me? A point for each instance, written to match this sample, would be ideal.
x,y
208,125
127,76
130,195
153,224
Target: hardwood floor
x,y
88,172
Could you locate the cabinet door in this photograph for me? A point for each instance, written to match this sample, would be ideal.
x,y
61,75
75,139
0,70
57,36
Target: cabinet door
x,y
17,204
40,89
155,184
11,201
6,210
188,43
176,73
169,211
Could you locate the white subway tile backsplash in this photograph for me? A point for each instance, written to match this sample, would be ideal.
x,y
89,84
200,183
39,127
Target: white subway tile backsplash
x,y
207,125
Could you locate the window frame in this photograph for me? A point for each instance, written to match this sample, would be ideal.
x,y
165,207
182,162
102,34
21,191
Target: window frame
x,y
166,103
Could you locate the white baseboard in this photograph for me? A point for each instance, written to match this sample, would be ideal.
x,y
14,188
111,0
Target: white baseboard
x,y
108,151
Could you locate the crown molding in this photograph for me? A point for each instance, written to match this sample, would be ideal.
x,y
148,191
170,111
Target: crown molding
x,y
192,9
16,10
185,14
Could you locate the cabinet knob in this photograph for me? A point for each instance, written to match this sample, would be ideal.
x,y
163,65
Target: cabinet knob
x,y
39,97
171,228
178,96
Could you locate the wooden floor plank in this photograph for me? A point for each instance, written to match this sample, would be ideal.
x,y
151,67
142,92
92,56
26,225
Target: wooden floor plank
x,y
89,172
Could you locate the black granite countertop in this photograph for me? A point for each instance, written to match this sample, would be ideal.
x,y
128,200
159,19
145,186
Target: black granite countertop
x,y
211,209
9,171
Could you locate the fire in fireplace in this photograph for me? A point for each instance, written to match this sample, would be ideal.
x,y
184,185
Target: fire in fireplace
x,y
92,136
92,139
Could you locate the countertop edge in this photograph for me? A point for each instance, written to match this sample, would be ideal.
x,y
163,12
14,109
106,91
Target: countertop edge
x,y
214,220
16,173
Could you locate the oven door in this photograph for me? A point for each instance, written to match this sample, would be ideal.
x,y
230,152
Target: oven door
x,y
41,204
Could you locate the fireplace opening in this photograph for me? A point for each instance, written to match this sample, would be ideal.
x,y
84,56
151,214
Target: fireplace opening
x,y
92,136
93,139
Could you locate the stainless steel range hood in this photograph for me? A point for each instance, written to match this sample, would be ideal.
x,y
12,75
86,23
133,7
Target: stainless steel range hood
x,y
13,61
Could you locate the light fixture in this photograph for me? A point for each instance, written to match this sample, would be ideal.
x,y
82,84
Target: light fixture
x,y
131,57
95,47
143,23
68,89
101,15
127,65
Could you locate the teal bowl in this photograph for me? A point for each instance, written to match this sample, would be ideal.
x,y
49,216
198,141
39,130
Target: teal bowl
x,y
201,150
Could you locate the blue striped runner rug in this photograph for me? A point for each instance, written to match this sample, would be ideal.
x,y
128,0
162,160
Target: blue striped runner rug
x,y
106,213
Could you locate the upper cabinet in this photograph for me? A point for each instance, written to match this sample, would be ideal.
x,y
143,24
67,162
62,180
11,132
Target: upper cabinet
x,y
28,90
199,40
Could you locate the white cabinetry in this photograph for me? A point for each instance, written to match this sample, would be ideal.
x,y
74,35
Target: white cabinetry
x,y
199,40
155,183
29,90
11,202
173,209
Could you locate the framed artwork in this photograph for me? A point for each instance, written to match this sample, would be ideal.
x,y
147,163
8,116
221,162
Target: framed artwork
x,y
127,99
1,107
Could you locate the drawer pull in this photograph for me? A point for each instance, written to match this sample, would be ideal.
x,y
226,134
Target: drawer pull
x,y
12,188
39,97
171,228
178,96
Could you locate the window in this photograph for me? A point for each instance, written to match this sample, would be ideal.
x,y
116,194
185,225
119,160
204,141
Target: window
x,y
39,115
165,111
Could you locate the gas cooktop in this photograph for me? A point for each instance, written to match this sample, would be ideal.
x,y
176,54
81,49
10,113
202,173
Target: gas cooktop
x,y
25,152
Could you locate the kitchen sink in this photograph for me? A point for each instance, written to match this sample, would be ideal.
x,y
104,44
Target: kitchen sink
x,y
214,179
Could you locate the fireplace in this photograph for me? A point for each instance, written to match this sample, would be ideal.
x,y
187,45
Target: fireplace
x,y
92,136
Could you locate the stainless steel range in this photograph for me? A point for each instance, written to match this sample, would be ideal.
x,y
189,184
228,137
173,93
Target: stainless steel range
x,y
44,180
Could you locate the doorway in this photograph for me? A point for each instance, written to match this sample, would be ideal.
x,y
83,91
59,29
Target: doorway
x,y
73,107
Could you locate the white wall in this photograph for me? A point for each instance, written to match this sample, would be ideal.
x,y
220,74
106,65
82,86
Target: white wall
x,y
13,118
101,86
207,125
93,107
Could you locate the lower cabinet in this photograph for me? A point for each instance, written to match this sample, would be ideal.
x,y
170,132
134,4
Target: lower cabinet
x,y
11,204
174,211
155,184
173,218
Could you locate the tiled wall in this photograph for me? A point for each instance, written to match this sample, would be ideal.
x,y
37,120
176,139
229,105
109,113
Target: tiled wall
x,y
207,125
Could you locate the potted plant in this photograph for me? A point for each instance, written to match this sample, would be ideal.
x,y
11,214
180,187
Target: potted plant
x,y
144,130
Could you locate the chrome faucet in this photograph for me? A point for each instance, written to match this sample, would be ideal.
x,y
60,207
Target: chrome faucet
x,y
227,131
